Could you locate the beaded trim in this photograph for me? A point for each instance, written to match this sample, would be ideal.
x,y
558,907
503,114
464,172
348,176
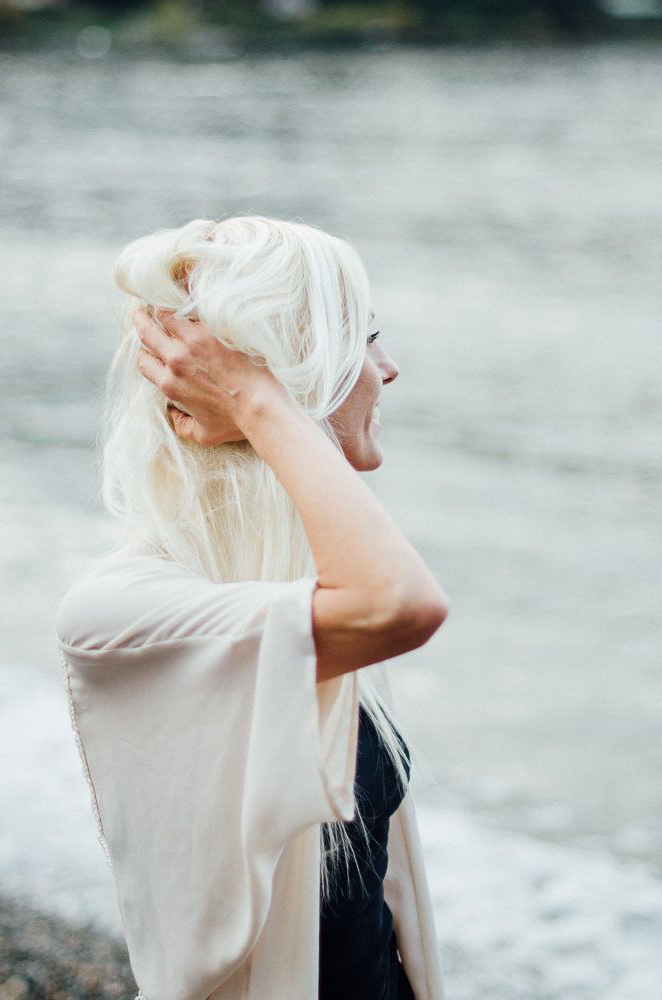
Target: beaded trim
x,y
101,837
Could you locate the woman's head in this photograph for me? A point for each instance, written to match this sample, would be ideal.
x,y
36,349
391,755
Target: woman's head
x,y
287,293
295,299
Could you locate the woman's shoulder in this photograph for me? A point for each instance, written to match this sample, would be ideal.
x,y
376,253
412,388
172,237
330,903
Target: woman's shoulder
x,y
110,591
129,600
121,570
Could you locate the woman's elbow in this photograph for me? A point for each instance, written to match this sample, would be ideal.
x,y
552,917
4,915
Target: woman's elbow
x,y
420,615
431,613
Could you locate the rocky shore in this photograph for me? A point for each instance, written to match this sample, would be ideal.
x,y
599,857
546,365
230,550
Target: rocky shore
x,y
45,958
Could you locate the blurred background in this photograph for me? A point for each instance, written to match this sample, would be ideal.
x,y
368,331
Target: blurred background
x,y
497,165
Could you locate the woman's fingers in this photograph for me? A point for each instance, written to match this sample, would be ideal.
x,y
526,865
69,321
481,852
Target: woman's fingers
x,y
159,375
181,328
150,366
163,361
156,340
183,425
193,370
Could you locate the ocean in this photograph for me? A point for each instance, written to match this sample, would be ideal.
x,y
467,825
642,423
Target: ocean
x,y
508,206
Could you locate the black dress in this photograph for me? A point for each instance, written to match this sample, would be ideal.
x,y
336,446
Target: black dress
x,y
358,949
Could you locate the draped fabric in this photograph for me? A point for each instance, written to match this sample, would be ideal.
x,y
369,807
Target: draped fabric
x,y
213,756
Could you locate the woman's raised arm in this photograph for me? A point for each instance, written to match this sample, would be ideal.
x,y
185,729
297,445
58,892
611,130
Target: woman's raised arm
x,y
376,597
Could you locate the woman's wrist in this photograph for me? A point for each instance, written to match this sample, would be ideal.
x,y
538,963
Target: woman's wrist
x,y
263,403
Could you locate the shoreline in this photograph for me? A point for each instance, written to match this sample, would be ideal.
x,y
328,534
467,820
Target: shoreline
x,y
182,31
46,956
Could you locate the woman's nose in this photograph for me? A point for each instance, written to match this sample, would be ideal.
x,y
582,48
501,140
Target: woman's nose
x,y
390,370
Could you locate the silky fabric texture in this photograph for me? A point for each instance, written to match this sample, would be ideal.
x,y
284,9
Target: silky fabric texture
x,y
358,953
213,756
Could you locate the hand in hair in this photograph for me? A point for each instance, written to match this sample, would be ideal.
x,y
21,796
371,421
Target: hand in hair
x,y
207,384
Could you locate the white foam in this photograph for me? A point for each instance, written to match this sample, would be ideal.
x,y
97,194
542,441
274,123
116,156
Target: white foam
x,y
520,919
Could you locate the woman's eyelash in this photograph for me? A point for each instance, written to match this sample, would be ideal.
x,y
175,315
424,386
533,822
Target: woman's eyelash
x,y
373,337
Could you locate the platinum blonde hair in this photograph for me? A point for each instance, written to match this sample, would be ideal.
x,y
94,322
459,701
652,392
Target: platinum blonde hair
x,y
294,299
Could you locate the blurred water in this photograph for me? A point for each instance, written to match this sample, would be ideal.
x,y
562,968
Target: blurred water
x,y
509,208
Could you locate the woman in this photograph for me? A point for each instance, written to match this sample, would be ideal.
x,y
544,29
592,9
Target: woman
x,y
224,664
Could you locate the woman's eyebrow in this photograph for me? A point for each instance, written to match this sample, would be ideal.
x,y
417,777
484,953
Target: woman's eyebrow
x,y
371,317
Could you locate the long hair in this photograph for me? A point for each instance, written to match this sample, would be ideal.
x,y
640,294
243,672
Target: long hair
x,y
293,298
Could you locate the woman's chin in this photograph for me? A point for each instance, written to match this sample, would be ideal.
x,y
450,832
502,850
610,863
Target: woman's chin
x,y
371,457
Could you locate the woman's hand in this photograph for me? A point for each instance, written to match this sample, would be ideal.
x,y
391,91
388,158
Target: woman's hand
x,y
213,385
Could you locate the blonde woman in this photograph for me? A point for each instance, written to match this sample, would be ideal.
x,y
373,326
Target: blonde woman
x,y
225,662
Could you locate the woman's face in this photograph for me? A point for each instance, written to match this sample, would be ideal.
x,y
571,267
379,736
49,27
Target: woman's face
x,y
356,421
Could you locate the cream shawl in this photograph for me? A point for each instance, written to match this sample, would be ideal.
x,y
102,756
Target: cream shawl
x,y
213,756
